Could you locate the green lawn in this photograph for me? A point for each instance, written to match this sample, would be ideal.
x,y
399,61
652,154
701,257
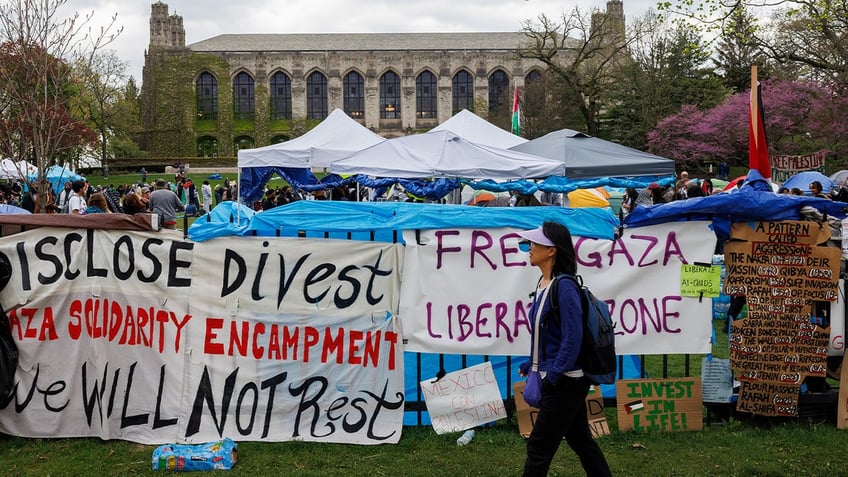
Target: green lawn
x,y
750,448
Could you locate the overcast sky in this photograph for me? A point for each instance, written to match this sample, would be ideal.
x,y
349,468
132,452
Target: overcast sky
x,y
210,18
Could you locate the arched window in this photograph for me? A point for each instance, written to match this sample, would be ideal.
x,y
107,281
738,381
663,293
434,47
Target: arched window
x,y
532,76
425,95
243,142
207,146
498,89
316,96
243,96
534,95
279,138
354,95
390,96
463,92
281,100
207,96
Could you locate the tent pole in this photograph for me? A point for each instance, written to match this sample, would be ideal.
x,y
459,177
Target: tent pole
x,y
238,197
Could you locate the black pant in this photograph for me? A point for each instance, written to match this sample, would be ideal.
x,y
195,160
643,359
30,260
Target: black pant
x,y
563,414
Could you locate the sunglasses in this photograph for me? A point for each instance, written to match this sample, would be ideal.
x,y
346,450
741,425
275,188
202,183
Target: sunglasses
x,y
524,245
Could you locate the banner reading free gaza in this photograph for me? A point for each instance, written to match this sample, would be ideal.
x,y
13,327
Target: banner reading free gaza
x,y
145,337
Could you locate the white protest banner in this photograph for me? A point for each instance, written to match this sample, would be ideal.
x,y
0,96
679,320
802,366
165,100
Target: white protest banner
x,y
465,291
135,336
309,333
463,399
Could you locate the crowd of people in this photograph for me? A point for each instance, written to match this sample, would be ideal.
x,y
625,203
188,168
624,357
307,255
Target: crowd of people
x,y
162,197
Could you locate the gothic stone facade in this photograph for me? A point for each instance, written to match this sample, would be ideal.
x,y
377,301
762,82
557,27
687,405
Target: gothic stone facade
x,y
229,71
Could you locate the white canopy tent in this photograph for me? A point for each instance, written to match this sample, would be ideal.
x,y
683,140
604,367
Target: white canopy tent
x,y
444,154
10,169
477,130
334,138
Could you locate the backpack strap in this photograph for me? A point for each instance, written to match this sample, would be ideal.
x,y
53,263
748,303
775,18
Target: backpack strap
x,y
578,281
554,299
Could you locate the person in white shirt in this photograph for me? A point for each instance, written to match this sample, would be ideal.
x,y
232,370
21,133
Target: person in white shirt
x,y
206,192
76,204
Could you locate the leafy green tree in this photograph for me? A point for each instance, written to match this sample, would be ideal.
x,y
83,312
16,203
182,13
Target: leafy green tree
x,y
737,49
809,36
126,123
669,68
103,77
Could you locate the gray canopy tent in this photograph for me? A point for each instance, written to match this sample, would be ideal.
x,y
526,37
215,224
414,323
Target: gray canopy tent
x,y
585,156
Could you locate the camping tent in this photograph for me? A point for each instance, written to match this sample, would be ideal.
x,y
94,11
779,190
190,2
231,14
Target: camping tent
x,y
57,176
10,169
333,138
589,157
477,130
444,154
803,179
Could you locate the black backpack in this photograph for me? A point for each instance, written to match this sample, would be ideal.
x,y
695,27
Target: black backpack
x,y
597,351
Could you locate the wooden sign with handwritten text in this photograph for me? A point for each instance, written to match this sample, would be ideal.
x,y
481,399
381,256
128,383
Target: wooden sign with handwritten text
x,y
781,271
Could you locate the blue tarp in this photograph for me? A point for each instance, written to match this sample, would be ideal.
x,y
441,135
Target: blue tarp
x,y
754,201
803,179
57,176
388,219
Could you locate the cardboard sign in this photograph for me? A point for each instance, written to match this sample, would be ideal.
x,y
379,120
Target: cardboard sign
x,y
463,399
781,272
594,410
672,404
842,404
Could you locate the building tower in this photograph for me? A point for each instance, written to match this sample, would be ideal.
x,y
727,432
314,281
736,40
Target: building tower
x,y
165,30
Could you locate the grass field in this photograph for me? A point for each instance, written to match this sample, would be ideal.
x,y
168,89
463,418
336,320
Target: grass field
x,y
750,448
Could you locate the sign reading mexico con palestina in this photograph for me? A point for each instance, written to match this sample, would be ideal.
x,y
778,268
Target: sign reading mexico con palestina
x,y
148,338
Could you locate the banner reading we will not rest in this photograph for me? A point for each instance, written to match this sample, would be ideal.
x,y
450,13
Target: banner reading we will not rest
x,y
145,337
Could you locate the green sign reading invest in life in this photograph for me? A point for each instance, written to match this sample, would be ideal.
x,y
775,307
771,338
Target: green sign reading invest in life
x,y
700,281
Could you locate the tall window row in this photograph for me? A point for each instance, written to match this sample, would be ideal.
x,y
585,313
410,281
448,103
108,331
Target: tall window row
x,y
280,89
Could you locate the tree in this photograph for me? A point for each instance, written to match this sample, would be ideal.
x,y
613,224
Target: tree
x,y
737,50
126,123
800,118
37,86
583,55
103,76
811,35
669,69
547,105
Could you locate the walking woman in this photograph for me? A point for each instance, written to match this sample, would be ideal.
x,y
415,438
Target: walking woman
x,y
562,412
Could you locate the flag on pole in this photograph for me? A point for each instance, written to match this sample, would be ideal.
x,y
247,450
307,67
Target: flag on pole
x,y
758,157
516,117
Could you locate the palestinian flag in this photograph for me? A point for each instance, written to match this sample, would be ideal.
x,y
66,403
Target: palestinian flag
x,y
633,406
516,117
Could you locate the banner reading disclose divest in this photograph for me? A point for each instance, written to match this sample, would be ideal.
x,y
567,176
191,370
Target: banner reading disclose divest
x,y
144,337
